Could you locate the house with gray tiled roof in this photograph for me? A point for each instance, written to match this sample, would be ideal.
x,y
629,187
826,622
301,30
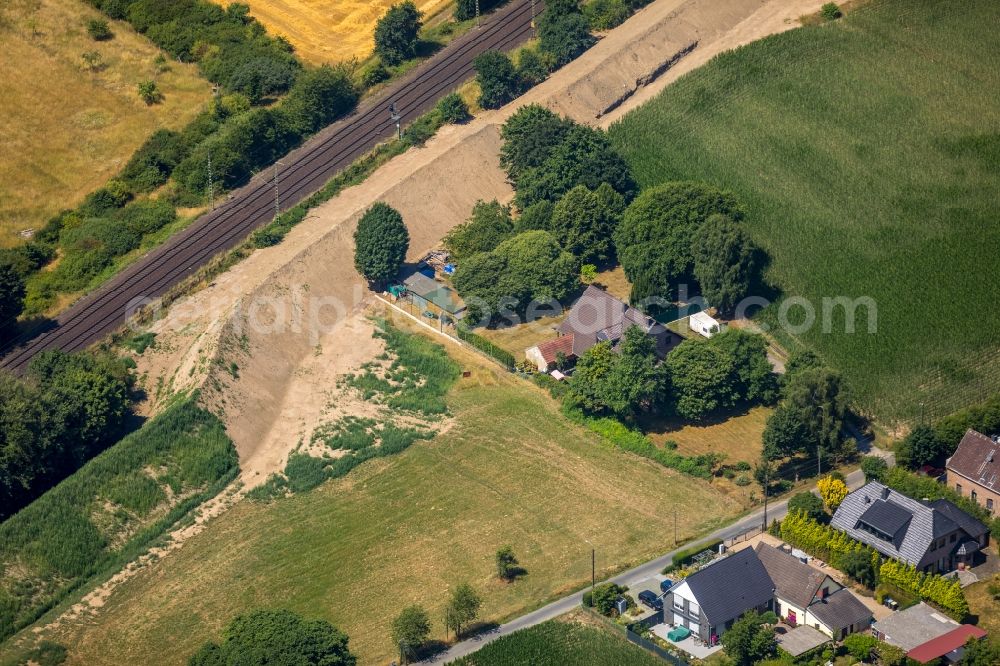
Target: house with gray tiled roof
x,y
932,536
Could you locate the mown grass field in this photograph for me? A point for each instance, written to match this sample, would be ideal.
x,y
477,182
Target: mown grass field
x,y
64,130
737,437
568,641
329,31
509,469
867,152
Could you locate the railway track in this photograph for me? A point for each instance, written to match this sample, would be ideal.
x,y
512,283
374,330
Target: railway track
x,y
303,171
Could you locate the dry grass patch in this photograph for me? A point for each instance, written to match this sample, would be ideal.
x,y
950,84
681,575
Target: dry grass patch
x,y
737,438
64,129
402,530
327,31
516,339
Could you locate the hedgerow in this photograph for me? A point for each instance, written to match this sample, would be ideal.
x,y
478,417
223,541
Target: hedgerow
x,y
501,356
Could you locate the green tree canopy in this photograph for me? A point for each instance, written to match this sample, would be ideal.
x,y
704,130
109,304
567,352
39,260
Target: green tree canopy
x,y
380,243
723,262
529,137
755,379
583,157
749,640
506,563
623,383
785,433
529,266
410,630
537,216
490,225
584,220
654,240
319,97
921,447
701,375
276,637
12,290
462,608
820,398
809,504
396,33
563,30
498,80
874,468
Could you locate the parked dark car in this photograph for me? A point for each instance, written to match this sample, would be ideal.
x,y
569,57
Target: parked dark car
x,y
665,585
650,598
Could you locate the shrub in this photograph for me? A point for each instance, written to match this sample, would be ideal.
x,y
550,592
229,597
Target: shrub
x,y
502,356
563,31
810,505
466,9
99,30
375,74
830,11
531,67
860,646
149,92
151,165
453,109
320,96
605,14
146,216
874,468
497,78
12,291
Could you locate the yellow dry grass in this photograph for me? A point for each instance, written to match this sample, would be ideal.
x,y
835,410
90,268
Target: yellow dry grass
x,y
63,129
737,437
329,31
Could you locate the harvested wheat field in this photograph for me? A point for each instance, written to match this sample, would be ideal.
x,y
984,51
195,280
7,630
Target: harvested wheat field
x,y
66,127
327,31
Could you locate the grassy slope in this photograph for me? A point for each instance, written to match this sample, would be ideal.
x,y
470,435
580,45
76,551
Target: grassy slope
x,y
64,131
868,153
400,530
561,642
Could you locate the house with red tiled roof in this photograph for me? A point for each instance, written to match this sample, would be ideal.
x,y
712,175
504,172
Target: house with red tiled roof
x,y
597,316
974,470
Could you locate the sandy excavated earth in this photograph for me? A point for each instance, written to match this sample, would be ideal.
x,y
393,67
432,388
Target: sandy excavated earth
x,y
267,341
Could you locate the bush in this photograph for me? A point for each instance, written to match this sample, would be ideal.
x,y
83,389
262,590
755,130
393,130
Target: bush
x,y
319,97
563,31
830,11
502,356
453,109
531,67
374,74
497,78
874,468
604,15
466,9
149,92
12,291
146,216
99,30
151,165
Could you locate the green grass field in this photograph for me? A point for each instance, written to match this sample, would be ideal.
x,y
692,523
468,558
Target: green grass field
x,y
508,469
561,642
867,152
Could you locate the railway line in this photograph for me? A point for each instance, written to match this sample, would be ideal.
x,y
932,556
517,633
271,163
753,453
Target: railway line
x,y
302,172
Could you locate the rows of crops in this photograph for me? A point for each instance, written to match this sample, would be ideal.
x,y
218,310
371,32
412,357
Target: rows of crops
x,y
558,643
867,151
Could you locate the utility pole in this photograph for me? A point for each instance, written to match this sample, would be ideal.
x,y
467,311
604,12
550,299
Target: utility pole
x,y
675,527
479,22
767,484
396,117
277,203
532,14
819,464
211,185
593,572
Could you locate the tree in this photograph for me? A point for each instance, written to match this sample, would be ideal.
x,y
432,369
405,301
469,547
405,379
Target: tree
x,y
453,109
749,640
535,217
462,608
563,31
410,630
12,291
860,646
466,9
380,243
723,262
99,30
623,383
507,567
858,564
701,377
531,67
497,79
319,97
984,652
489,225
276,637
585,156
754,378
149,92
529,137
654,238
397,32
605,595
785,433
874,468
529,266
809,504
921,447
833,491
584,220
820,399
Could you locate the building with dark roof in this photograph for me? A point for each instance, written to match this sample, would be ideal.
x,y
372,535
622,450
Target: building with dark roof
x,y
973,471
597,316
710,600
932,536
806,596
913,626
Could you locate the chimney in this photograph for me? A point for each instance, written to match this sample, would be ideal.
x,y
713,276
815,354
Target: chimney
x,y
885,493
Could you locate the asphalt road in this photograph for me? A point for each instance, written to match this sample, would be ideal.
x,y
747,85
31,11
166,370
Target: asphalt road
x,y
632,576
301,172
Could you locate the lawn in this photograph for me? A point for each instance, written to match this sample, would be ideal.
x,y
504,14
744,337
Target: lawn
x,y
984,607
64,130
566,641
867,152
738,437
509,469
330,31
